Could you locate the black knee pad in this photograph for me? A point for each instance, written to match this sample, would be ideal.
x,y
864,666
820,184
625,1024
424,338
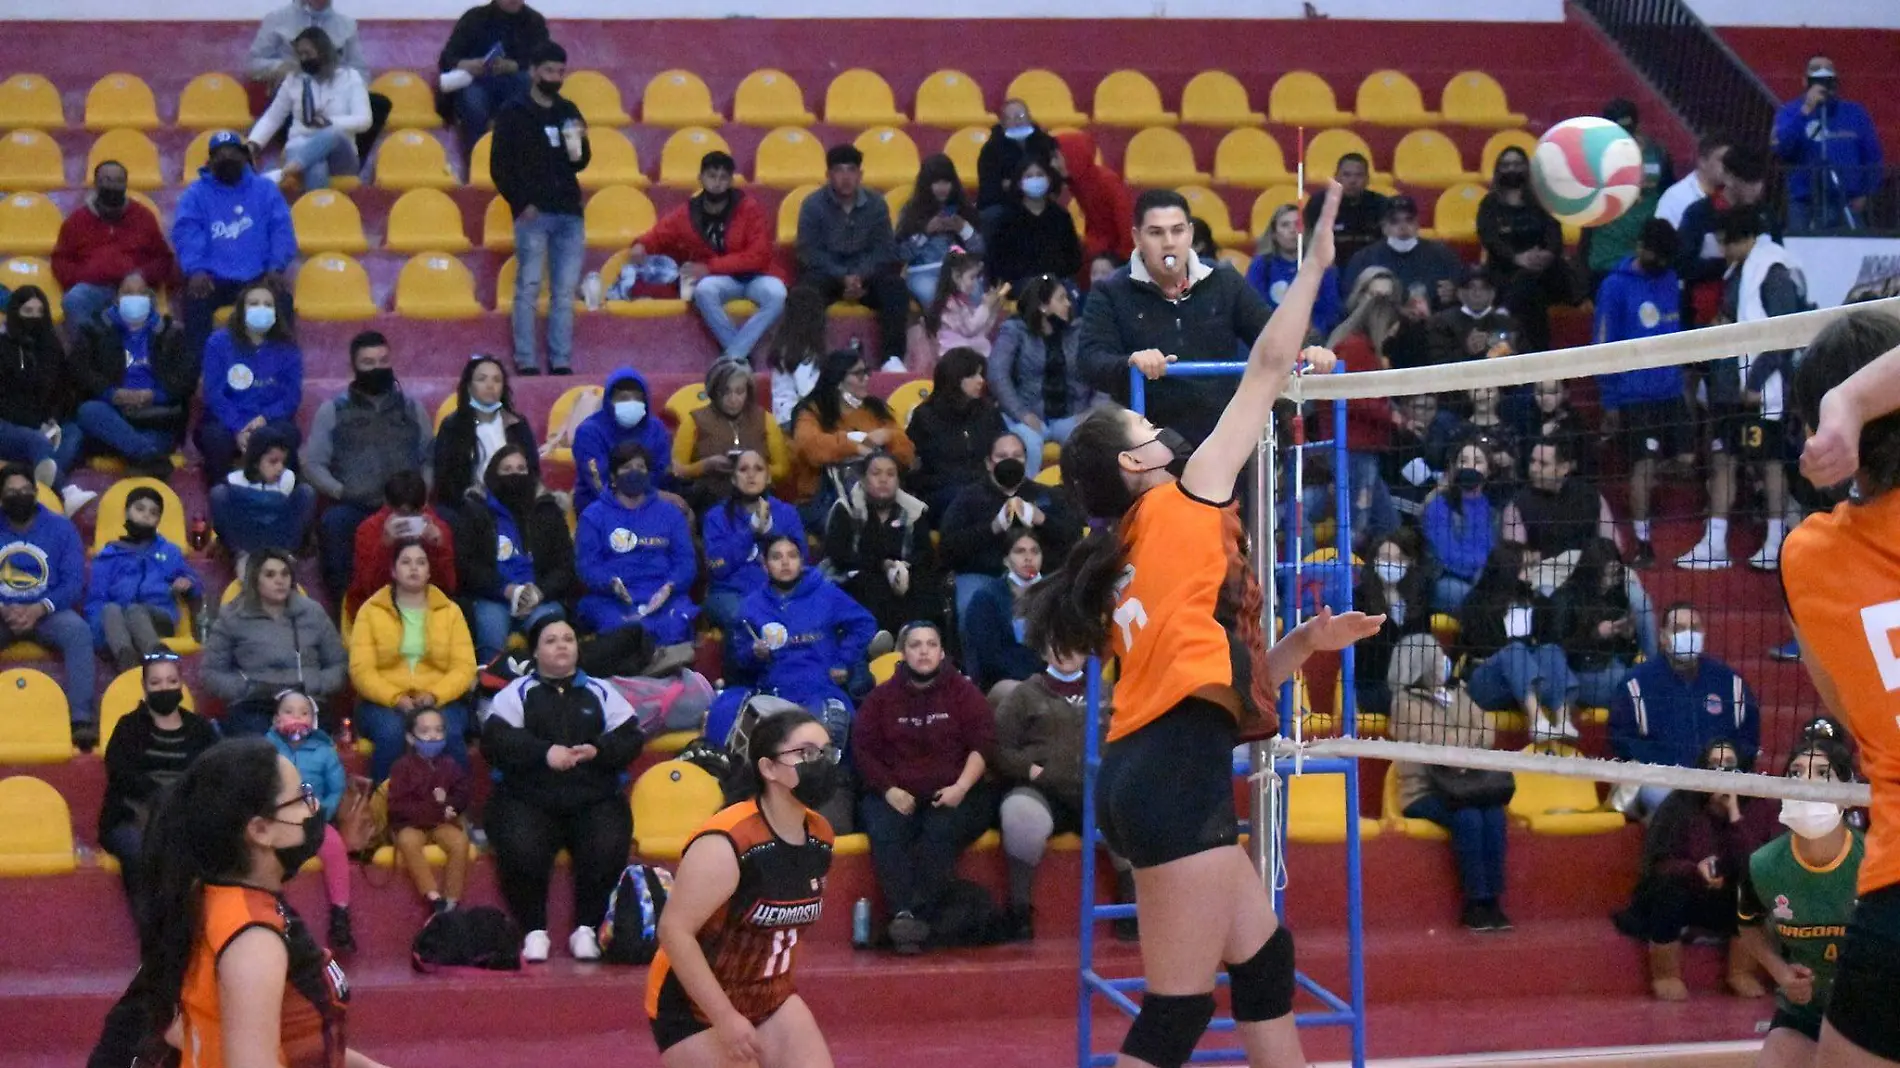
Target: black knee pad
x,y
1261,987
1167,1028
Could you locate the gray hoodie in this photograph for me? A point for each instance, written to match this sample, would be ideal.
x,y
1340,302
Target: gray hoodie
x,y
252,654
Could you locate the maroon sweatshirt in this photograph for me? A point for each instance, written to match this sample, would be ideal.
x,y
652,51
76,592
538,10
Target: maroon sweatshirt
x,y
92,250
413,782
917,739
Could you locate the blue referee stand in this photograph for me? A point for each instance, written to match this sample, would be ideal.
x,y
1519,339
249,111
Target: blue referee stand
x,y
1336,575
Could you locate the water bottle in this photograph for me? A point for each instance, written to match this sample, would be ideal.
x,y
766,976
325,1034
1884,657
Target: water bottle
x,y
861,923
590,290
198,534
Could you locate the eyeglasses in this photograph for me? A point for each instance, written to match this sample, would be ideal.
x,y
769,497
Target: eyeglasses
x,y
306,795
810,754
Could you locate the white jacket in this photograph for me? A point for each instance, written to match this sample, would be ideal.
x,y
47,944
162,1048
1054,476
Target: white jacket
x,y
343,99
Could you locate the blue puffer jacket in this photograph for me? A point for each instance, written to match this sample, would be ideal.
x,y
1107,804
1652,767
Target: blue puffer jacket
x,y
317,761
596,437
814,628
127,573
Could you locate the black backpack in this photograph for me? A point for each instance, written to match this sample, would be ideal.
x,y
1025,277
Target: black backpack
x,y
630,932
478,937
966,915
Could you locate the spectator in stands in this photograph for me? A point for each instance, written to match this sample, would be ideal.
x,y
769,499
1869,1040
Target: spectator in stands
x,y
1834,152
326,105
561,742
1398,586
410,649
734,532
253,380
129,363
1603,247
1551,415
496,44
261,505
993,650
712,436
232,229
1699,258
357,443
270,637
274,55
1013,139
1644,410
483,422
953,430
835,429
1359,342
722,240
1472,328
1511,655
1427,270
1035,369
540,147
976,526
634,553
298,737
1421,443
1458,526
1699,184
428,800
936,218
877,547
919,746
106,239
36,423
515,554
1277,259
136,584
1524,249
147,755
404,516
1597,623
803,638
1033,233
1100,192
798,351
1671,708
1411,346
1361,220
1695,855
963,312
627,415
1556,511
1483,419
41,554
847,251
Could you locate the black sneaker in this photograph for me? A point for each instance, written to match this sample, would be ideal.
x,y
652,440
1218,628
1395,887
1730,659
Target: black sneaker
x,y
85,737
560,372
908,933
1496,920
342,939
527,370
1645,557
1021,924
1474,917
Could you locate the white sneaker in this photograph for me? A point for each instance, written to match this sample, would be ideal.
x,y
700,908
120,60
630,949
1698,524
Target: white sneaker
x,y
583,944
534,948
1543,729
1704,557
895,366
74,500
1767,558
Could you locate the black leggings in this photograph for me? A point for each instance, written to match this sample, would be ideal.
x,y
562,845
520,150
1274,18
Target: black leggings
x,y
526,838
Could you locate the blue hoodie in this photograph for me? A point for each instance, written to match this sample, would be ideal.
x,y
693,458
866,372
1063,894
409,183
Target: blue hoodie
x,y
595,440
1631,304
1852,147
816,627
1461,543
318,763
126,573
44,564
233,232
733,561
645,547
241,383
138,356
1269,274
1659,717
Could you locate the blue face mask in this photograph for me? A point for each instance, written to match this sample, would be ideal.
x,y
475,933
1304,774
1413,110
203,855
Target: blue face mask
x,y
260,317
485,407
431,748
1018,133
628,413
135,308
1036,185
633,483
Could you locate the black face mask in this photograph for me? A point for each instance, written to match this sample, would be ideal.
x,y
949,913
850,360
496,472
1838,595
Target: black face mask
x,y
294,857
786,587
817,783
228,171
1468,478
515,491
1009,472
111,199
1181,447
19,507
922,679
1514,179
548,88
310,66
376,381
139,532
164,702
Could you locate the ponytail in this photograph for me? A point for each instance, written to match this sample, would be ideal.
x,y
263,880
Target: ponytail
x,y
1068,612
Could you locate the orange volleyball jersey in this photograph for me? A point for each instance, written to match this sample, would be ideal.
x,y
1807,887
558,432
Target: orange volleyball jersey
x,y
314,992
1841,572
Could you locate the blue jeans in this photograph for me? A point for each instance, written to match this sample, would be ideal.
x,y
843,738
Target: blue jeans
x,y
199,314
336,544
477,103
1596,688
721,607
70,639
967,587
249,520
915,856
321,153
710,297
549,245
493,624
1517,672
923,283
26,445
1056,430
384,728
1373,514
1449,593
1642,614
1477,840
125,842
105,427
84,302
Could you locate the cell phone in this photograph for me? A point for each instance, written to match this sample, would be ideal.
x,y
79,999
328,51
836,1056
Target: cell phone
x,y
733,455
409,526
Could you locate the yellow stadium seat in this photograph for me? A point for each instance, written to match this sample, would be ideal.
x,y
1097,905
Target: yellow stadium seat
x,y
1455,216
679,159
1324,150
1050,102
1250,158
1216,98
1302,98
1561,806
1128,98
1267,203
214,102
1160,156
327,221
479,159
678,98
35,726
29,101
197,155
1430,159
770,98
963,148
614,161
498,227
135,150
435,285
788,213
616,217
558,416
29,159
789,157
1207,206
36,829
597,97
686,400
1474,98
1051,474
951,98
1391,98
884,668
905,399
110,523
859,97
414,159
121,101
425,220
124,695
643,308
17,271
442,411
890,157
1395,817
670,801
1316,809
332,287
669,742
29,225
411,100
1498,142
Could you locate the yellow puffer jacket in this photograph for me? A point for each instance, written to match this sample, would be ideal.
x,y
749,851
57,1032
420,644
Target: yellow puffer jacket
x,y
377,668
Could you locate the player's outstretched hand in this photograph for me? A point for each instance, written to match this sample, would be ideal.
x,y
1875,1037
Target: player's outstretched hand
x,y
1832,455
1334,632
1319,247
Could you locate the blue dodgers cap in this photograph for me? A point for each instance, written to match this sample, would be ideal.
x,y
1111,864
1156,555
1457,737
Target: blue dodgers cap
x,y
224,139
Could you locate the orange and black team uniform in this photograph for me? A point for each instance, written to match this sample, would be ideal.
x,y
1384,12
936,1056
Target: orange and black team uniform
x,y
1841,572
315,992
750,942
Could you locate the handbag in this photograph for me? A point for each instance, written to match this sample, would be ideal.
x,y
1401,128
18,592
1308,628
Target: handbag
x,y
355,820
1471,787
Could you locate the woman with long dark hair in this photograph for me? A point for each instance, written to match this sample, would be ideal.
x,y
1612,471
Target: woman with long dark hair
x,y
513,551
253,380
36,417
325,105
484,421
1524,249
1035,369
1034,234
837,425
936,218
952,430
1147,587
798,351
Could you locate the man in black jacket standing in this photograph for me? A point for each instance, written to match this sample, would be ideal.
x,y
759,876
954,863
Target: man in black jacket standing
x,y
540,148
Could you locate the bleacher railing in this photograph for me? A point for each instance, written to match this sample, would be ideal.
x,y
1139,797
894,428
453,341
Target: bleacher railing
x,y
1688,65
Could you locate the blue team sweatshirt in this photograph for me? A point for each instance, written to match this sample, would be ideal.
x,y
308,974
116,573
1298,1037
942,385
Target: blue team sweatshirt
x,y
815,627
1461,543
138,356
126,573
1269,275
733,561
1659,717
1839,134
645,547
1633,304
596,437
317,761
44,562
233,232
241,383
512,561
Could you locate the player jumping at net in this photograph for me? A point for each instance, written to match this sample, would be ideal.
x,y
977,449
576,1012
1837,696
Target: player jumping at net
x,y
1147,589
752,879
1841,572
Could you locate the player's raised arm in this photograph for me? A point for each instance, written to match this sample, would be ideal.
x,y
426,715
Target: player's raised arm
x,y
1832,454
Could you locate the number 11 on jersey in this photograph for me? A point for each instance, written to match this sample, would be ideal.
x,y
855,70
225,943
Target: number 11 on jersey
x,y
780,961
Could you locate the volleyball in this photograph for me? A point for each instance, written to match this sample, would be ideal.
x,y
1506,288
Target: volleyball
x,y
1587,171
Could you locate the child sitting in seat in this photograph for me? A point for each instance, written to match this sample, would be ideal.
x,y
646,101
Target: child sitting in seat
x,y
295,733
132,599
964,314
428,796
261,504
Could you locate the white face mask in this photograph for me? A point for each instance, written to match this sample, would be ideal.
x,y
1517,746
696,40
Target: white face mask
x,y
1390,571
1064,676
1402,244
1517,622
1810,819
1021,582
851,400
1686,644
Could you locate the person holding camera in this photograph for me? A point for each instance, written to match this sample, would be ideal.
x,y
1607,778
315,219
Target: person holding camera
x,y
1833,153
